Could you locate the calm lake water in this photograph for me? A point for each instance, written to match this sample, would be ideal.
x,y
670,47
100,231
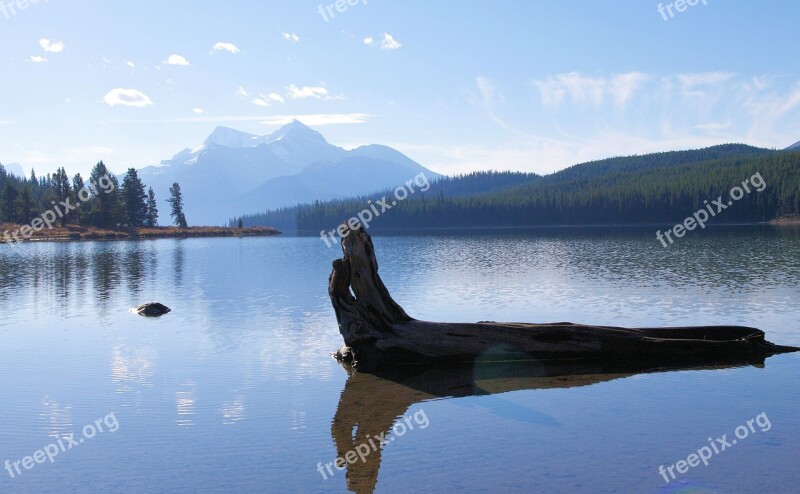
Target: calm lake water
x,y
235,391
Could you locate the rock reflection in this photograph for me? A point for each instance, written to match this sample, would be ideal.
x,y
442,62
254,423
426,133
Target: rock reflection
x,y
370,404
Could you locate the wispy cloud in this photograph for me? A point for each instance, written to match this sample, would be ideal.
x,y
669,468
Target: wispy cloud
x,y
127,97
37,59
51,46
309,119
491,100
241,92
221,46
176,60
695,84
268,99
198,111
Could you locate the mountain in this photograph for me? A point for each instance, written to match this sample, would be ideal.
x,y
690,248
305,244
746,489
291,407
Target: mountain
x,y
15,169
234,172
794,147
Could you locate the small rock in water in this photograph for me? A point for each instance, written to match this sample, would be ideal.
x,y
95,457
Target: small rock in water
x,y
152,309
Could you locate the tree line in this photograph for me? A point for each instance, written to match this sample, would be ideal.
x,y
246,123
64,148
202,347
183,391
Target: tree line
x,y
127,205
661,188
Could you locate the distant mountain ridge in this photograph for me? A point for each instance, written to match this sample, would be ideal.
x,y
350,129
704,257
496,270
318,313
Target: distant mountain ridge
x,y
235,171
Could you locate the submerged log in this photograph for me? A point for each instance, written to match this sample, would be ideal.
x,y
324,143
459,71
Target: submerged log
x,y
378,333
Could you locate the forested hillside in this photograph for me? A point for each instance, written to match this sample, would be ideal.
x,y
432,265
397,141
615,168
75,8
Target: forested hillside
x,y
660,188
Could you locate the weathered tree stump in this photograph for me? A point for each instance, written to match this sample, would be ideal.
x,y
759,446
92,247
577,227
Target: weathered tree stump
x,y
378,333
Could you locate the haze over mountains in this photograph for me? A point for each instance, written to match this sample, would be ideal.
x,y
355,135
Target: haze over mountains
x,y
235,172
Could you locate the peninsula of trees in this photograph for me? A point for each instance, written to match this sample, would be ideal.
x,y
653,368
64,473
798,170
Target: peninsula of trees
x,y
97,207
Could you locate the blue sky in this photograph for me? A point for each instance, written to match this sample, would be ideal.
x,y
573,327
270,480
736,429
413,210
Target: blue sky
x,y
458,86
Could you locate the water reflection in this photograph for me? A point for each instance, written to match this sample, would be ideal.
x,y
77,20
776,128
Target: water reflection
x,y
185,404
57,418
233,411
129,367
370,404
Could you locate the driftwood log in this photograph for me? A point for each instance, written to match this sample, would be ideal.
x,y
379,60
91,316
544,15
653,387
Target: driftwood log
x,y
378,333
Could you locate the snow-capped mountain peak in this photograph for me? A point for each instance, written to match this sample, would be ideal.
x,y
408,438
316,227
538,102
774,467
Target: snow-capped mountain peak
x,y
232,138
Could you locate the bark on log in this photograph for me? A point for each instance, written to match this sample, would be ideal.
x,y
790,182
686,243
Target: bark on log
x,y
378,333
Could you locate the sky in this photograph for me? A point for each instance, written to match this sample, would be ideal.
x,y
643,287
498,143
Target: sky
x,y
458,86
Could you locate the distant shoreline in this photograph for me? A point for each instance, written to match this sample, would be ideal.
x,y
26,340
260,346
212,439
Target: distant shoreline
x,y
80,234
791,220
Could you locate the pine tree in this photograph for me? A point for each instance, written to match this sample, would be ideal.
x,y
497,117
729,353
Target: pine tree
x,y
240,223
62,190
134,199
9,203
75,195
152,209
24,206
176,201
105,206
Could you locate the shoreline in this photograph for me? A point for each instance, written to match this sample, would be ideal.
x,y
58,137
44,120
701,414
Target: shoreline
x,y
86,234
792,220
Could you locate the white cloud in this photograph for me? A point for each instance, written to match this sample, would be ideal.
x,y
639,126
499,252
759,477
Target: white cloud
x,y
176,60
127,97
307,92
198,111
229,47
241,92
291,37
130,64
267,100
37,59
389,43
51,46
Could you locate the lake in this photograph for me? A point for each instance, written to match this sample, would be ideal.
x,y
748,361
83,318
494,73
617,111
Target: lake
x,y
235,390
